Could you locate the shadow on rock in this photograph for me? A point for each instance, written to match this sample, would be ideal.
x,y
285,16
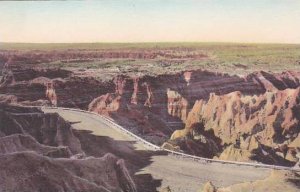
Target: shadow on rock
x,y
135,159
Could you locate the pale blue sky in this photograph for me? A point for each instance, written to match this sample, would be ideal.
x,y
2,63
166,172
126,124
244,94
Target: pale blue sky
x,y
151,20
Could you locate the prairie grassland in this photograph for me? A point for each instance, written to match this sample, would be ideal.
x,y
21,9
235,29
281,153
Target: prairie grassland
x,y
233,58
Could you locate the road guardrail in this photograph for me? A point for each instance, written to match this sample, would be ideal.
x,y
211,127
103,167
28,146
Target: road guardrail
x,y
174,153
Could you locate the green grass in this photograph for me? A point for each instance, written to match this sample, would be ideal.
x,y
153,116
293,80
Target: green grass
x,y
235,58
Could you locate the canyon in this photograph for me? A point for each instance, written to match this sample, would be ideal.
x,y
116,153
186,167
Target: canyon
x,y
252,117
243,118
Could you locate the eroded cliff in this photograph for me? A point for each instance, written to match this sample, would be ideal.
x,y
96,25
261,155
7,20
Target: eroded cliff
x,y
259,127
225,116
40,152
29,85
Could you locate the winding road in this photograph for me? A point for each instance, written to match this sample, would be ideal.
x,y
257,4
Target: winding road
x,y
180,173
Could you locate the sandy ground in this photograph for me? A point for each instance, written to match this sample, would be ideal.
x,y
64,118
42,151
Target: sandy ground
x,y
182,175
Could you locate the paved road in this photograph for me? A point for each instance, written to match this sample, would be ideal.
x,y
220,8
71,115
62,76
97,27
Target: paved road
x,y
182,175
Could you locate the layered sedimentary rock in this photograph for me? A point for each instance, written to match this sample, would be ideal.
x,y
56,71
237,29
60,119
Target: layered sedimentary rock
x,y
48,86
39,173
40,152
76,92
235,108
25,126
279,81
168,99
20,142
267,123
272,114
170,95
176,93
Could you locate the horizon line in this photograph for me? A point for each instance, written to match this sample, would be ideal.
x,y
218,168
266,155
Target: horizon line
x,y
148,42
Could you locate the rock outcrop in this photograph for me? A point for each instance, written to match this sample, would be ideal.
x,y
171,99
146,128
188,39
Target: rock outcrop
x,y
40,152
209,187
260,122
48,86
260,106
39,173
163,102
21,142
46,129
174,95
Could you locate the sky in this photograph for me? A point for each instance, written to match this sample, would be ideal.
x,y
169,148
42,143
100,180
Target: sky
x,y
262,21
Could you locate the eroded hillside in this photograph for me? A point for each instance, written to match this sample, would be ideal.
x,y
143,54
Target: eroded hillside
x,y
249,117
40,152
228,102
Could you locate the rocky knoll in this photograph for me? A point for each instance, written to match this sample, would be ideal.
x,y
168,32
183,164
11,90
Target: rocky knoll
x,y
40,152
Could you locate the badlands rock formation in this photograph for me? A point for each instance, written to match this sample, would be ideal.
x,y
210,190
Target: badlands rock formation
x,y
47,86
40,152
266,124
244,118
159,104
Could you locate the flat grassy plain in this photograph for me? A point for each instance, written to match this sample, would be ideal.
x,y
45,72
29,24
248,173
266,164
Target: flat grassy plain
x,y
233,58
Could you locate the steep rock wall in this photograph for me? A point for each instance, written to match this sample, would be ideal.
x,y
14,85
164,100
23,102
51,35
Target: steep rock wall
x,y
273,115
168,99
40,152
46,129
266,124
52,86
175,94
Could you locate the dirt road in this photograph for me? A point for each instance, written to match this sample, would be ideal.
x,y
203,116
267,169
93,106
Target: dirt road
x,y
182,175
